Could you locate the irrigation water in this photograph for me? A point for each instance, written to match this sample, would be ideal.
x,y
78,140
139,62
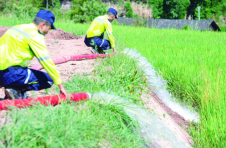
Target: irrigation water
x,y
152,129
158,85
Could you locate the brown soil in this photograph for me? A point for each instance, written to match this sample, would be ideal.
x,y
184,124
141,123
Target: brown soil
x,y
177,118
3,30
60,43
59,34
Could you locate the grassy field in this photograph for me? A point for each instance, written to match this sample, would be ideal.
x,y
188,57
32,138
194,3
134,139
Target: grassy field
x,y
193,64
191,61
84,124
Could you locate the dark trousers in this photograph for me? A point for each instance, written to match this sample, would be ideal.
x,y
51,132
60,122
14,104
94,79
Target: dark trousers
x,y
25,79
98,43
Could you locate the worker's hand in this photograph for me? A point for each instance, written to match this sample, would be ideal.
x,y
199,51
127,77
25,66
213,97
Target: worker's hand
x,y
63,90
113,49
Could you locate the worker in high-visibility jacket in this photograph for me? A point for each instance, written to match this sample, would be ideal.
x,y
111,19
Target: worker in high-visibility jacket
x,y
21,43
95,33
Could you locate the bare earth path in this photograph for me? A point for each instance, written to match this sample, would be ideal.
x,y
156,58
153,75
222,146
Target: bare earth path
x,y
60,43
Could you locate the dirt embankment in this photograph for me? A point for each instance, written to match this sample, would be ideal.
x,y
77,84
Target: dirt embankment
x,y
60,43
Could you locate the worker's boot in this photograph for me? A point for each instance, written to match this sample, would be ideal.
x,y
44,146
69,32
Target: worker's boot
x,y
23,95
94,51
100,51
105,51
12,93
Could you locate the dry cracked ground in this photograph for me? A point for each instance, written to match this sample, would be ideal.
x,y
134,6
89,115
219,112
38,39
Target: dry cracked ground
x,y
60,43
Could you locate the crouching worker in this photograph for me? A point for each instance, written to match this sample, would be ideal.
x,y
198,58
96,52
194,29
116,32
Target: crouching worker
x,y
21,43
95,33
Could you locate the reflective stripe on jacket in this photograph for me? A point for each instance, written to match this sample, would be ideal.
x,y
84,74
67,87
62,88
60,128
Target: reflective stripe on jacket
x,y
23,42
100,25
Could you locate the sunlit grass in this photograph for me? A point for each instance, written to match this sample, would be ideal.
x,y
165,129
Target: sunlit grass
x,y
193,64
82,124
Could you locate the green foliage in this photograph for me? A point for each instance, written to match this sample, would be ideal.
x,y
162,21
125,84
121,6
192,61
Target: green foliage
x,y
21,9
121,3
223,28
186,27
57,5
115,22
2,5
210,9
178,9
86,10
39,4
175,9
26,7
42,4
61,14
129,10
157,8
139,22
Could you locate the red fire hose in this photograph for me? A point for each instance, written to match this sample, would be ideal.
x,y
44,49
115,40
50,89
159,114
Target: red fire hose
x,y
72,58
55,99
46,100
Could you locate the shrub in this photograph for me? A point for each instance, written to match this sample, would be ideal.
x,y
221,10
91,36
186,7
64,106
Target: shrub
x,y
139,21
2,5
20,9
115,22
86,10
185,27
175,9
25,7
157,8
223,28
129,10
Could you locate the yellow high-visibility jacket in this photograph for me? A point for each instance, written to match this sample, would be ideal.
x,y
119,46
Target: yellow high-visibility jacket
x,y
23,42
100,25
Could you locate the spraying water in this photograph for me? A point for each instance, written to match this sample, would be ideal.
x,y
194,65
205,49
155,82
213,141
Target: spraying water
x,y
158,86
152,129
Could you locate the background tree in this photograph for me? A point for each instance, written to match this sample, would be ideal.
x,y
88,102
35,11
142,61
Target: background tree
x,y
86,10
175,9
210,9
129,10
157,8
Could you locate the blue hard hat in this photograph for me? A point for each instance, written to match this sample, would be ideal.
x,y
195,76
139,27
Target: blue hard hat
x,y
46,15
112,10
